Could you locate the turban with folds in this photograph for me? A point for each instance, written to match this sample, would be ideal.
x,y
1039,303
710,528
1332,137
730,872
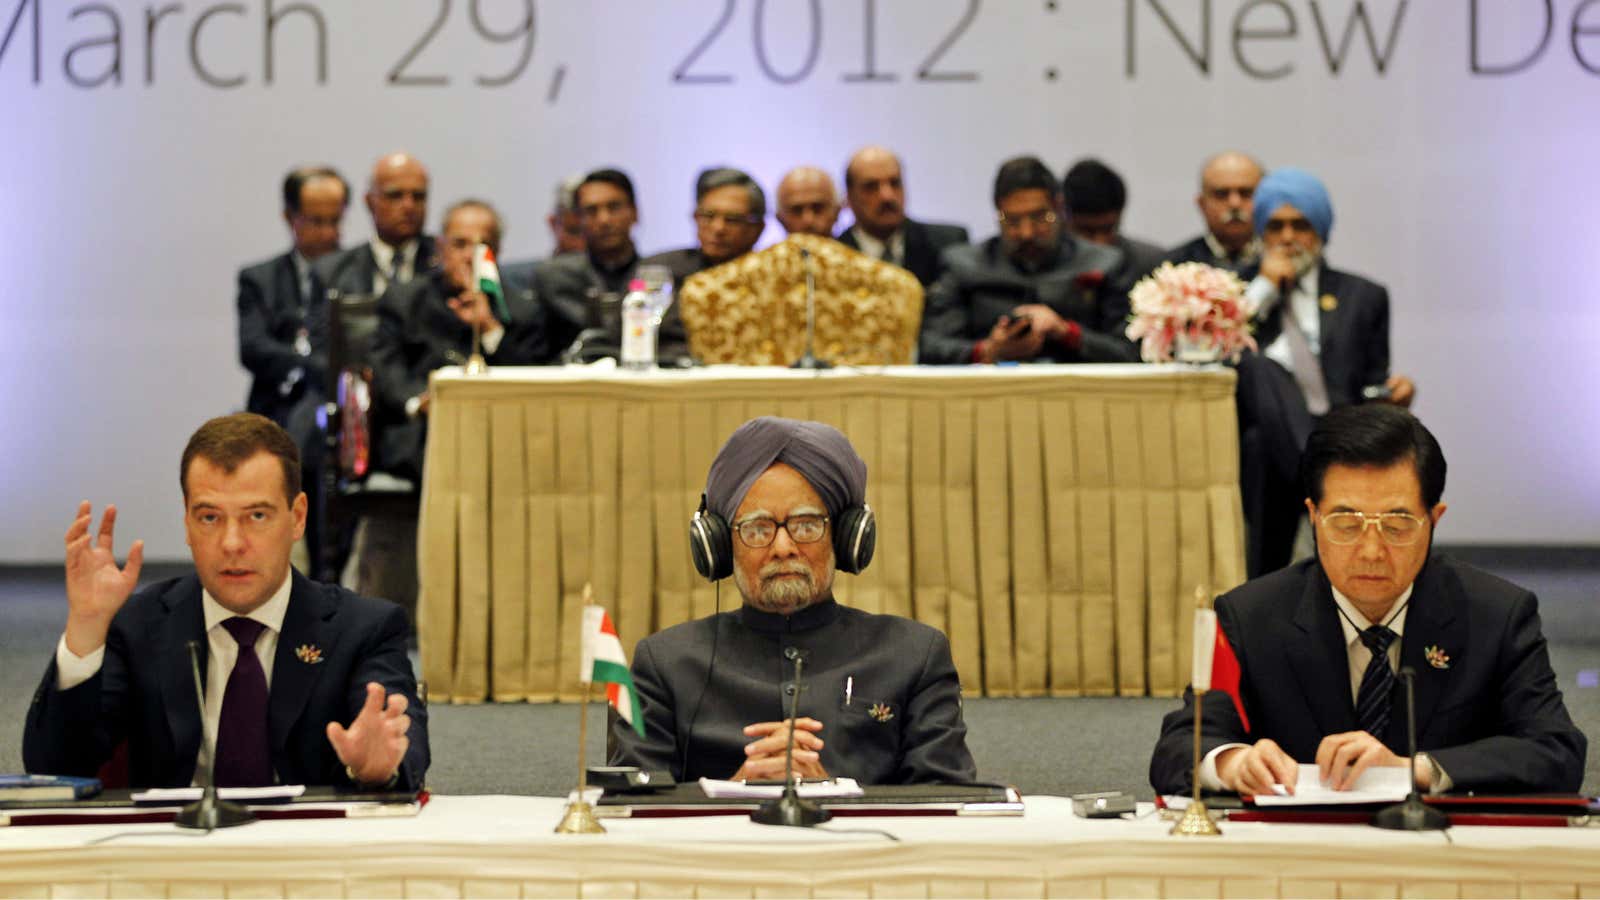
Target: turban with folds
x,y
1299,189
819,452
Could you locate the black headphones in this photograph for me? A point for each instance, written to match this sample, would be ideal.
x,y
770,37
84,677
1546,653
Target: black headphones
x,y
855,536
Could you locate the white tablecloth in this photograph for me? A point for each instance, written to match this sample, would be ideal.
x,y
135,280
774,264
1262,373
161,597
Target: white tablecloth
x,y
504,847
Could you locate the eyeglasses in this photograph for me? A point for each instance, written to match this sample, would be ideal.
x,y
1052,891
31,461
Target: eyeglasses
x,y
1397,529
395,195
711,217
1039,218
804,529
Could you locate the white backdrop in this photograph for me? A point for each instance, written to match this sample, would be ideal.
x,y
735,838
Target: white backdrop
x,y
141,147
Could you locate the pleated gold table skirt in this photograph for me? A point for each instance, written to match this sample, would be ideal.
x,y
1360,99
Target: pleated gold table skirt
x,y
1054,521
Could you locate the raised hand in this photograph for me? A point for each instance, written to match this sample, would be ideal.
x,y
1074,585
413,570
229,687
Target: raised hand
x,y
376,741
96,587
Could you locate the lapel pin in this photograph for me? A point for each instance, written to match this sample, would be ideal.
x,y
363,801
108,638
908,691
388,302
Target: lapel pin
x,y
310,654
881,712
1436,657
1329,303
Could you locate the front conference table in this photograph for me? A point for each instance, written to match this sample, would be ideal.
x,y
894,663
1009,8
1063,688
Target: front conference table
x,y
1054,521
503,847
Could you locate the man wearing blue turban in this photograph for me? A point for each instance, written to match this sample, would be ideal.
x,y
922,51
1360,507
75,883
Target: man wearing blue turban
x,y
785,506
1324,338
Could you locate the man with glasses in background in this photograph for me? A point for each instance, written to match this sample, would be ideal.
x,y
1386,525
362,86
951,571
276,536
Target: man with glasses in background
x,y
1324,339
1319,643
397,198
730,212
880,700
1031,292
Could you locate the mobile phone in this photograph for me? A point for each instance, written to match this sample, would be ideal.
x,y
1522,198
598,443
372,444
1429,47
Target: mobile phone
x,y
1103,805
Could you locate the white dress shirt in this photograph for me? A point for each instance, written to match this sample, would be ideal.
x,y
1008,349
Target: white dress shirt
x,y
1305,304
1359,656
73,670
383,255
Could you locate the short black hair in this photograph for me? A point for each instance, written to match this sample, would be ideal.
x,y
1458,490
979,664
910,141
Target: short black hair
x,y
1093,188
723,176
614,177
1373,434
1024,173
294,184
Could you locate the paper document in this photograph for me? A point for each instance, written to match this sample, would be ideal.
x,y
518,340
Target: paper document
x,y
246,794
1379,784
833,787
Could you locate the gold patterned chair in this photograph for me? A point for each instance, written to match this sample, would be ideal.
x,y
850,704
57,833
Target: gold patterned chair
x,y
752,310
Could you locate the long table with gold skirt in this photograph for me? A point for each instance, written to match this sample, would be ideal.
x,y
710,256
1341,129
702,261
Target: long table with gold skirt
x,y
1055,521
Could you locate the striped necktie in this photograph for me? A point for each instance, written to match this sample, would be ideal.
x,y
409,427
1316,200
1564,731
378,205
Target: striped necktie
x,y
1377,682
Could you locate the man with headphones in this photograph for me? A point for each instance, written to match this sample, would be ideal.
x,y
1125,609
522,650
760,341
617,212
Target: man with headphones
x,y
880,700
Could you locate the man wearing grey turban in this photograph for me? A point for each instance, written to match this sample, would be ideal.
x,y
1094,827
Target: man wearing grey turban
x,y
1324,338
784,509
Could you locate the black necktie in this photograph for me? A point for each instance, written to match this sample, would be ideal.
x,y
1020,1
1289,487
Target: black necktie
x,y
1377,683
244,758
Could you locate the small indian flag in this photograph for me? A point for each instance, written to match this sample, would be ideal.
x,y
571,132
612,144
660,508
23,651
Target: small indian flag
x,y
603,661
486,276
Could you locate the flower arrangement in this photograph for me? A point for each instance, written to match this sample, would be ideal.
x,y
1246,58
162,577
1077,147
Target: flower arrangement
x,y
1199,310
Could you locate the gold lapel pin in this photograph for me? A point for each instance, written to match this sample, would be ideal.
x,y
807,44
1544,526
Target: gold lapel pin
x,y
1329,303
1436,657
310,654
881,712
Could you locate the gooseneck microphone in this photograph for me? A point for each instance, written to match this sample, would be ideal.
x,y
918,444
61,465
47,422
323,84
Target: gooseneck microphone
x,y
1411,814
208,812
790,809
809,360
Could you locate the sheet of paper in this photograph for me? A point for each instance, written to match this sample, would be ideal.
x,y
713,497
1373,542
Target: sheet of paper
x,y
1379,784
727,790
247,794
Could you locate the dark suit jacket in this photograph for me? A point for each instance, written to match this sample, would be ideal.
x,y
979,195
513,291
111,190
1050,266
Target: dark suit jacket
x,y
982,284
1140,258
1354,333
925,245
417,333
271,314
701,682
1197,250
1493,718
144,692
350,271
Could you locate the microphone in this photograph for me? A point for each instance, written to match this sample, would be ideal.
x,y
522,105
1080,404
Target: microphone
x,y
208,812
1411,814
790,809
809,360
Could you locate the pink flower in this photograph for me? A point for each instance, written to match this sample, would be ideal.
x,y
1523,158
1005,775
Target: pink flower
x,y
1204,304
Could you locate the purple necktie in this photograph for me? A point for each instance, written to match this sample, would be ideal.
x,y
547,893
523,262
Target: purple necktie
x,y
243,758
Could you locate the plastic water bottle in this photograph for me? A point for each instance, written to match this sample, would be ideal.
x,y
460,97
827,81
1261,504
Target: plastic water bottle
x,y
638,328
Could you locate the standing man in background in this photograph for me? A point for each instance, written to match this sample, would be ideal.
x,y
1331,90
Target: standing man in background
x,y
279,312
397,198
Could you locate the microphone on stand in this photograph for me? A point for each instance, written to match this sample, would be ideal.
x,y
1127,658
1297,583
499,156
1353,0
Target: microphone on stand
x,y
1411,814
790,809
809,360
208,812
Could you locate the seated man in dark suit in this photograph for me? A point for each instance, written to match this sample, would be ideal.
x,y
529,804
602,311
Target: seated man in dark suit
x,y
1030,292
1318,644
397,198
1227,188
1094,196
730,213
581,293
874,185
306,683
278,317
1325,346
784,508
428,323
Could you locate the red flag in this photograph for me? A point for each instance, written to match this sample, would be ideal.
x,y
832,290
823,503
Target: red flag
x,y
1215,666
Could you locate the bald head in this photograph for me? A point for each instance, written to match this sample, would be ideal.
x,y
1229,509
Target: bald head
x,y
876,192
1227,191
397,197
808,203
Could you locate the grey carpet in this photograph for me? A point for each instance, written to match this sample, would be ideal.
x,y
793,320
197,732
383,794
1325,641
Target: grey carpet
x,y
1043,746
